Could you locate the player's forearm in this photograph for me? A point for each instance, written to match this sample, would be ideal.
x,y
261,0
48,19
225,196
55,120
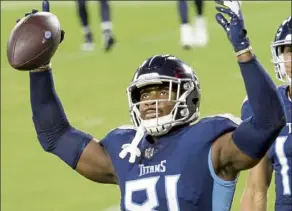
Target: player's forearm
x,y
47,110
259,206
256,134
262,93
53,129
255,202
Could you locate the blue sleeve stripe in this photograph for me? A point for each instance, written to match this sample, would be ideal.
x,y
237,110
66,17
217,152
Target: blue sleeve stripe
x,y
215,177
223,191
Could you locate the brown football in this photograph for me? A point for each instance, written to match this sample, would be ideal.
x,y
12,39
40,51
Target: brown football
x,y
33,41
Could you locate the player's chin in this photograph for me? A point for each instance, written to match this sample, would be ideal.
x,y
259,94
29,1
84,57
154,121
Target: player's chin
x,y
150,116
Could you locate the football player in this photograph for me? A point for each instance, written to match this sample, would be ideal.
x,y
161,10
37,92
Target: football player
x,y
189,36
279,156
106,25
164,162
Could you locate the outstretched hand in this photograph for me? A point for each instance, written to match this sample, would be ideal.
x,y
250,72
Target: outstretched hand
x,y
234,28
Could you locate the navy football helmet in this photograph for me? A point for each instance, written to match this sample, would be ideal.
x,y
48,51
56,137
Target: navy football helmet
x,y
178,76
282,37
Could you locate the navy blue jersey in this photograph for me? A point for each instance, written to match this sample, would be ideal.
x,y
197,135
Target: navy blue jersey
x,y
174,173
280,154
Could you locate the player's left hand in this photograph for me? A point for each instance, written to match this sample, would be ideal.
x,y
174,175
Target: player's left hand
x,y
234,29
33,11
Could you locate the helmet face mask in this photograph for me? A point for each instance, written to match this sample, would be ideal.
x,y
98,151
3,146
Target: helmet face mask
x,y
282,38
185,103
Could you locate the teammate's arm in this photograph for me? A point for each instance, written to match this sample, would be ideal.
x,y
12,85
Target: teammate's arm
x,y
76,148
258,182
248,143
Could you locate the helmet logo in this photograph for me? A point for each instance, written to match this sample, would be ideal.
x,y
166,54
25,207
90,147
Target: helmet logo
x,y
289,24
178,72
148,76
279,33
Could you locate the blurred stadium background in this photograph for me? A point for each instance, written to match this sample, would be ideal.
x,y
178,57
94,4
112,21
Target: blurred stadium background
x,y
92,87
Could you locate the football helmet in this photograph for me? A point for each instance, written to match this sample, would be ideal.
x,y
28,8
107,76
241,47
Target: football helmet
x,y
176,75
282,37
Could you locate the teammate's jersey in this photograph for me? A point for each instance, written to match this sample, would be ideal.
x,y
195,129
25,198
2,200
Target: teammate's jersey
x,y
280,154
174,173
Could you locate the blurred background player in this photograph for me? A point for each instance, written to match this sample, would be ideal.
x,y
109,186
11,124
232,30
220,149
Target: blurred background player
x,y
106,25
196,35
279,157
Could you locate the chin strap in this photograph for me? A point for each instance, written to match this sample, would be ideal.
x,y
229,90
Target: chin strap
x,y
158,126
132,148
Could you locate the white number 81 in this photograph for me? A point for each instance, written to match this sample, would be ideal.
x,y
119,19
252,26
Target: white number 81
x,y
149,185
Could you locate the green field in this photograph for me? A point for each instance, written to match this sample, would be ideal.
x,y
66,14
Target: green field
x,y
92,87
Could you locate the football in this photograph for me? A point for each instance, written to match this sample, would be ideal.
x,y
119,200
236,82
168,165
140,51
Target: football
x,y
33,41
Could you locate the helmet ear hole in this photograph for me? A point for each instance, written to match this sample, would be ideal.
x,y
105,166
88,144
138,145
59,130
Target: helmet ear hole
x,y
281,49
195,100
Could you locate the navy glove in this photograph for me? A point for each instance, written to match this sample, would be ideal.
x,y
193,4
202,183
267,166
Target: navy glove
x,y
234,29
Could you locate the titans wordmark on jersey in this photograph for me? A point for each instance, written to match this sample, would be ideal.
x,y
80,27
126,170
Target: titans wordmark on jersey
x,y
174,173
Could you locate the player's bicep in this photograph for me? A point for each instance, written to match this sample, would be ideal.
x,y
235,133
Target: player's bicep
x,y
239,160
228,158
95,164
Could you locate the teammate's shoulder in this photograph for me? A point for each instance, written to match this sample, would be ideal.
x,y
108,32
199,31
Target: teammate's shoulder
x,y
221,119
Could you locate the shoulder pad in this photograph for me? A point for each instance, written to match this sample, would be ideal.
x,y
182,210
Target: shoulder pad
x,y
126,127
120,129
123,127
120,133
229,116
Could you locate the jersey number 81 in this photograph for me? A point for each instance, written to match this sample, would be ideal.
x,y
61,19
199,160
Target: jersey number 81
x,y
149,185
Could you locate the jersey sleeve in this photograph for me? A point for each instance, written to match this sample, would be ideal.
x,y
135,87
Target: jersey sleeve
x,y
113,143
246,110
226,123
221,124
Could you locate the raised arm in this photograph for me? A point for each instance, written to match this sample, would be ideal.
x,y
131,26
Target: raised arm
x,y
255,192
76,148
55,134
246,146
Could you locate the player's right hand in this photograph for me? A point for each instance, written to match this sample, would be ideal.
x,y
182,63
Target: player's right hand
x,y
33,11
34,40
